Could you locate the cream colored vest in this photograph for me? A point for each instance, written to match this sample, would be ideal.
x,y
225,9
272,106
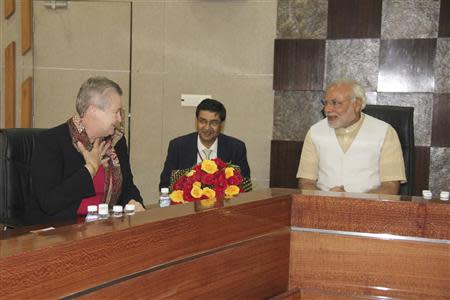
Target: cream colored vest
x,y
358,170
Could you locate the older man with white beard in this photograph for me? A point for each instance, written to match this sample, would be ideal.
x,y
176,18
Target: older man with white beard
x,y
349,151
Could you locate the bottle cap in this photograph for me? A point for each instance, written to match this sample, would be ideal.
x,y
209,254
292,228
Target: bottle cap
x,y
103,209
427,194
444,195
129,207
117,208
165,190
92,208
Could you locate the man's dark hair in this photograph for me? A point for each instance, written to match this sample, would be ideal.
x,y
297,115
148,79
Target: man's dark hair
x,y
213,106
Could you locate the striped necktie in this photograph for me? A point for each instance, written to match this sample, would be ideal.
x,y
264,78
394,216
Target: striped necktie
x,y
207,153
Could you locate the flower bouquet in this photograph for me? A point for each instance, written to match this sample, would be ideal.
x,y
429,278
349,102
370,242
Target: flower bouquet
x,y
207,181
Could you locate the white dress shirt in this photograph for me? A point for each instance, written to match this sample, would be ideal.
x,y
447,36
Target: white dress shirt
x,y
200,147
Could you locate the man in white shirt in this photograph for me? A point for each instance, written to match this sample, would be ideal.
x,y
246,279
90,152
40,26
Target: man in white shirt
x,y
349,151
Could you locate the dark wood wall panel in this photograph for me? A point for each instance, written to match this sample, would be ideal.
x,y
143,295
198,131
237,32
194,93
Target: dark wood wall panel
x,y
365,266
354,19
284,160
255,270
298,64
444,19
422,170
440,132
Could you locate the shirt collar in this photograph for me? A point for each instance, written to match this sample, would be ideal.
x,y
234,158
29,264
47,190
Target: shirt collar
x,y
200,146
351,128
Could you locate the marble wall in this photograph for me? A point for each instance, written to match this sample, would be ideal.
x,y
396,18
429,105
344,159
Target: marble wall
x,y
398,49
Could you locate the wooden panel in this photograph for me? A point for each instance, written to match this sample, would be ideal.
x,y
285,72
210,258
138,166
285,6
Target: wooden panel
x,y
316,294
27,25
299,65
364,266
10,86
421,169
26,112
354,19
10,7
85,252
418,218
440,136
444,19
284,159
258,269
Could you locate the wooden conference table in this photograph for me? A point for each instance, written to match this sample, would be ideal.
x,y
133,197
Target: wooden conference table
x,y
269,243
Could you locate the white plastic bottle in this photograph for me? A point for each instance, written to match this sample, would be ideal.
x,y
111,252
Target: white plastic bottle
x,y
117,211
129,209
91,213
164,198
103,211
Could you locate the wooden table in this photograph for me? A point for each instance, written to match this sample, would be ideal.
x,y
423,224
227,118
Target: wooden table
x,y
279,243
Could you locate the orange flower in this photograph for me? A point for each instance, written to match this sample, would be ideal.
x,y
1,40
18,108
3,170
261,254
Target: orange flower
x,y
231,190
196,191
177,196
209,166
210,193
229,172
208,202
197,184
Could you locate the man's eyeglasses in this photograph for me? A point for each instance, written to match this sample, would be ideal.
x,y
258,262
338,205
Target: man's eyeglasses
x,y
212,123
334,103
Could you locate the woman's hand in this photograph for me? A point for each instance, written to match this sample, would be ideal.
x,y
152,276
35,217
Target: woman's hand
x,y
94,157
137,205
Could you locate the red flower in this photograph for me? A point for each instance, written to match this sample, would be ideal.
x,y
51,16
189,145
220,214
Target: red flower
x,y
216,181
236,179
220,164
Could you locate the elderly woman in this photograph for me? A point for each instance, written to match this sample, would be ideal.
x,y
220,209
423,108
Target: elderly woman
x,y
85,160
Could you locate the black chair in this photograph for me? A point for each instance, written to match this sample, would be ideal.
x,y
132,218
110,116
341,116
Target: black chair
x,y
402,120
16,195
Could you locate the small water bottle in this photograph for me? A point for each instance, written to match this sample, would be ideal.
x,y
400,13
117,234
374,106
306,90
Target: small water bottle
x,y
91,213
164,198
117,211
129,209
427,195
103,212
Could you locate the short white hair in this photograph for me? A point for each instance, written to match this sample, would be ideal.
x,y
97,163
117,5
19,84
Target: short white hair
x,y
357,90
92,92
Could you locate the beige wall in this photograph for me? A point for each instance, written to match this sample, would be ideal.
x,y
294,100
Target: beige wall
x,y
222,47
10,31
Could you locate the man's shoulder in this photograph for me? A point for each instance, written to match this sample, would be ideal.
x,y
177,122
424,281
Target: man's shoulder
x,y
375,121
184,138
319,124
231,140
